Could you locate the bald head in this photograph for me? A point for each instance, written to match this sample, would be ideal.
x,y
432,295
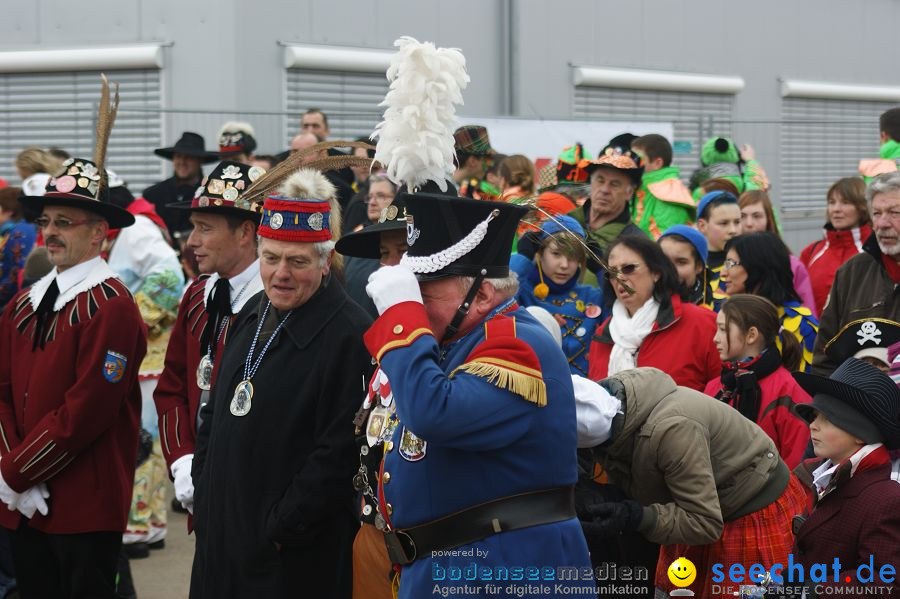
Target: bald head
x,y
303,141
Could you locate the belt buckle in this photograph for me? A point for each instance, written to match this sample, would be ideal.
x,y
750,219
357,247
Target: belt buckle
x,y
400,547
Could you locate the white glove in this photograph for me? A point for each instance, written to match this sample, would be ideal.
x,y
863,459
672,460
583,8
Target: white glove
x,y
392,285
184,484
34,499
7,495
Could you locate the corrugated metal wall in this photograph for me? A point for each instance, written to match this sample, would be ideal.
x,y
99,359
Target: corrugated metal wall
x,y
60,109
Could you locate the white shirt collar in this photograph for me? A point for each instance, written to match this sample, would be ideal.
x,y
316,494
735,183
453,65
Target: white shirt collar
x,y
71,282
244,285
822,475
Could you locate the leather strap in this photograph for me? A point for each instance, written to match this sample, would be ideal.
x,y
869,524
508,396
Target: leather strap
x,y
481,521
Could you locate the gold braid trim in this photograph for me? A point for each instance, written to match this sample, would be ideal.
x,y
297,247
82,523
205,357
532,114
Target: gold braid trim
x,y
527,386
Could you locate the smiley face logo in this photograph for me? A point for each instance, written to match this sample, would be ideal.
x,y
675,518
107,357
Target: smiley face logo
x,y
682,572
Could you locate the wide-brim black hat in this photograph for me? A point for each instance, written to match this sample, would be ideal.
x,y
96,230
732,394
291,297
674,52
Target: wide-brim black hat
x,y
117,218
78,186
452,236
190,144
221,190
861,387
366,243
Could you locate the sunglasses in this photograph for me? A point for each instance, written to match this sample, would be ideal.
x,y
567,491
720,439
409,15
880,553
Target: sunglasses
x,y
62,223
623,271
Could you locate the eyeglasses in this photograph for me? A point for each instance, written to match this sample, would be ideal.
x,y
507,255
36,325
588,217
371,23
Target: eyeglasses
x,y
623,271
62,223
729,264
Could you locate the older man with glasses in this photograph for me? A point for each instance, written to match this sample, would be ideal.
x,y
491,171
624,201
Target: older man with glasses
x,y
70,402
866,286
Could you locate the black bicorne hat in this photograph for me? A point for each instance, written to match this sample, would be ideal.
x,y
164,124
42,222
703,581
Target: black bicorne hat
x,y
452,236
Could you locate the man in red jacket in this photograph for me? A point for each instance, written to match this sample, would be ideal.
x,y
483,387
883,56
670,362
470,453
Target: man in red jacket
x,y
70,347
224,241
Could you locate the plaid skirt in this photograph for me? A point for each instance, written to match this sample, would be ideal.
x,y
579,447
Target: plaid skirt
x,y
763,537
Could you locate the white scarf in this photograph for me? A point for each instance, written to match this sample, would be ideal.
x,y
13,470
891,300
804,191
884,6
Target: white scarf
x,y
628,333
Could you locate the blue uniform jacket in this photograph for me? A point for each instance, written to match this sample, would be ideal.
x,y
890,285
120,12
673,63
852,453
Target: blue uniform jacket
x,y
463,440
576,307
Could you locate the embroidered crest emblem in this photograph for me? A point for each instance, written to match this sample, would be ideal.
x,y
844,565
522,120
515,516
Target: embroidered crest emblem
x,y
114,366
868,331
412,233
412,448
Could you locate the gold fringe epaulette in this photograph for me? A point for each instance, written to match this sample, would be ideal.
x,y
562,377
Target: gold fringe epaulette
x,y
528,386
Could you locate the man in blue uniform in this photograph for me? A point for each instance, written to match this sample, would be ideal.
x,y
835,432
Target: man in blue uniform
x,y
476,485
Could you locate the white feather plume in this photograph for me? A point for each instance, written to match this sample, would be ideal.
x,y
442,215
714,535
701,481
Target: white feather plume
x,y
415,138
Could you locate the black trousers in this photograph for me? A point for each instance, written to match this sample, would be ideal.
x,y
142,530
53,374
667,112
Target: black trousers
x,y
74,566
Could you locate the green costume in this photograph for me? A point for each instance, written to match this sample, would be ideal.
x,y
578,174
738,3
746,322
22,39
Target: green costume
x,y
662,201
721,160
888,163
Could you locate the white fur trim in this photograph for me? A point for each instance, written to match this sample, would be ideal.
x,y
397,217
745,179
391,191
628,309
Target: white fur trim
x,y
95,276
307,183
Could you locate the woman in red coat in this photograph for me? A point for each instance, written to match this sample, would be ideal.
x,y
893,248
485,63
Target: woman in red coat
x,y
651,325
846,230
755,379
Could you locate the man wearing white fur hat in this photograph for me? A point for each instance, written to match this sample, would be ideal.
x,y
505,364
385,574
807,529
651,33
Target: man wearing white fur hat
x,y
273,502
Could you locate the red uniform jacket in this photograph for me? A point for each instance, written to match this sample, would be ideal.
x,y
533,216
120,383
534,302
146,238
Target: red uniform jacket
x,y
680,344
69,413
177,395
823,257
779,394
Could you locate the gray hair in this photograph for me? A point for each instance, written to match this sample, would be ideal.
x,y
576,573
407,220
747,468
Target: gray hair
x,y
323,248
506,286
381,178
886,183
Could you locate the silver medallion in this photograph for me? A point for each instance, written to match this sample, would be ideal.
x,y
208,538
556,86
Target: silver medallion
x,y
243,394
380,522
204,372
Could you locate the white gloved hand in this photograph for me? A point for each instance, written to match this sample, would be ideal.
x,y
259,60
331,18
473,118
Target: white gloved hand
x,y
7,495
34,500
184,484
392,285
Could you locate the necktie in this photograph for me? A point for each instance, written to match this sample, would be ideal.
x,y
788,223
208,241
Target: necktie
x,y
42,314
218,308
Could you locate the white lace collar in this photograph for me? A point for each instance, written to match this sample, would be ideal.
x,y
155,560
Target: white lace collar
x,y
71,282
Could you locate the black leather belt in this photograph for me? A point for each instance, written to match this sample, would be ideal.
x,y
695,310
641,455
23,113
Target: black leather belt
x,y
479,522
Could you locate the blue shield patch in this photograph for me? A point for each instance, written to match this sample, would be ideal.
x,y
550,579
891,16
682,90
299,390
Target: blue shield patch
x,y
114,366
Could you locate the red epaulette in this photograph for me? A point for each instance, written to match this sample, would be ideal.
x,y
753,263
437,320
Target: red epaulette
x,y
506,361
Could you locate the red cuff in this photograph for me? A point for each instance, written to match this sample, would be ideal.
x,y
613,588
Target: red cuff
x,y
399,326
